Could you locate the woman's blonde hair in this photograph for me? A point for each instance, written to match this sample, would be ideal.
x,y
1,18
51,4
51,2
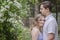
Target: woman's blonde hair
x,y
36,21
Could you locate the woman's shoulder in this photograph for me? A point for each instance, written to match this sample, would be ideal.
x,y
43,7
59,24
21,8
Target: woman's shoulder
x,y
35,30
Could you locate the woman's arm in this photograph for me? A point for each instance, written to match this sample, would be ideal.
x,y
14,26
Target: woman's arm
x,y
34,34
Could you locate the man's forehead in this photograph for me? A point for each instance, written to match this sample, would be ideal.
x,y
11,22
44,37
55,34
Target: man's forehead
x,y
41,6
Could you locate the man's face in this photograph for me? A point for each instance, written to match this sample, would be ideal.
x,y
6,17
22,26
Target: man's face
x,y
42,10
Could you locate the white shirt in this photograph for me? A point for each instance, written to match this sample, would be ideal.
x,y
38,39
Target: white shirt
x,y
50,26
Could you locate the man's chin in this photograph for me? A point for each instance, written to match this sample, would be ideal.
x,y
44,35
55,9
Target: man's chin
x,y
42,14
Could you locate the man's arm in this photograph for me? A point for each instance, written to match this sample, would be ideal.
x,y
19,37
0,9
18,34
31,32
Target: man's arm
x,y
51,30
51,36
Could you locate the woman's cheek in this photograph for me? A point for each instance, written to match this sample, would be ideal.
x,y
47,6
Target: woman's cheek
x,y
40,24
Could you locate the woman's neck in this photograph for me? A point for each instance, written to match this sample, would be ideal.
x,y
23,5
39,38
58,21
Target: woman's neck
x,y
40,28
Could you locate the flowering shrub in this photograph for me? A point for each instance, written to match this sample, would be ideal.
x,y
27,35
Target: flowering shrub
x,y
11,14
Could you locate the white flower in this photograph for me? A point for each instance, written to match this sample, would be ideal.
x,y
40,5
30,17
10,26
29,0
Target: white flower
x,y
7,6
17,4
21,22
8,0
1,14
11,20
1,20
19,17
15,14
16,21
2,9
12,14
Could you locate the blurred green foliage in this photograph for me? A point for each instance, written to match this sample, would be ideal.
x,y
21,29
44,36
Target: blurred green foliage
x,y
11,14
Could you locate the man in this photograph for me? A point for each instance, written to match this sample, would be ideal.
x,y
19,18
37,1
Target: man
x,y
50,28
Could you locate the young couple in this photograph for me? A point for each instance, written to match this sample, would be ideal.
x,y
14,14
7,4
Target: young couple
x,y
45,25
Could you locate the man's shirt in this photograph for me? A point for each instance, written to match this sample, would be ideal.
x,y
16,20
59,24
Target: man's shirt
x,y
50,26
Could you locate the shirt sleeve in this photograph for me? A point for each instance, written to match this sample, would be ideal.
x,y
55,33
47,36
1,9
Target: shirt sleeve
x,y
52,27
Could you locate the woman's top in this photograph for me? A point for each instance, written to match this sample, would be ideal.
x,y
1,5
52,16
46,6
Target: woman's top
x,y
40,36
36,34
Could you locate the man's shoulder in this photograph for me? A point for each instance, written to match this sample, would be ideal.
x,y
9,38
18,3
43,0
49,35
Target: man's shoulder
x,y
52,18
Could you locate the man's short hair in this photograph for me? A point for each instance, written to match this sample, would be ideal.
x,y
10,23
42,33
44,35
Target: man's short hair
x,y
47,4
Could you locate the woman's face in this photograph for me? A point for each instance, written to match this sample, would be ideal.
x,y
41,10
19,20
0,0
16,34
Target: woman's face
x,y
41,21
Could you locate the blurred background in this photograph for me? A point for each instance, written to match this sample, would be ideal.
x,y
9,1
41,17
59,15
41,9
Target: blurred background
x,y
16,17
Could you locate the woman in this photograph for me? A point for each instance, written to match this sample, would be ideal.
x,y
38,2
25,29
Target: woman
x,y
37,29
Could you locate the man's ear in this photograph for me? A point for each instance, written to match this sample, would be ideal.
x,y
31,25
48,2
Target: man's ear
x,y
47,9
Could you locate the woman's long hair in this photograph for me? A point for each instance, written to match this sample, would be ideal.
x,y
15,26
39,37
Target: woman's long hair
x,y
35,22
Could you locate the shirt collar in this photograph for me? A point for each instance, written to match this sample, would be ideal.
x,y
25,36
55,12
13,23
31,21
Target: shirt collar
x,y
46,18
